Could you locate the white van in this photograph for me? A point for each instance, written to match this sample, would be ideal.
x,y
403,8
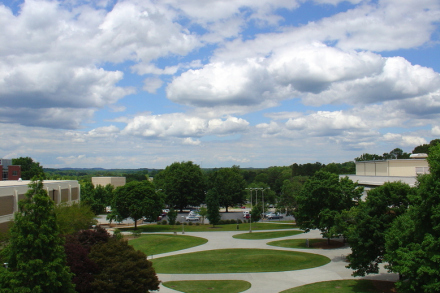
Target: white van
x,y
245,213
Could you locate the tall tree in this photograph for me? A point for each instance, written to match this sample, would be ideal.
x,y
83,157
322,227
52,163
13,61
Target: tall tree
x,y
370,220
229,185
29,168
322,198
35,254
183,183
137,199
413,241
213,207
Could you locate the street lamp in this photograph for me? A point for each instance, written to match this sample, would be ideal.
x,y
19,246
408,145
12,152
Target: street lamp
x,y
263,199
250,223
183,229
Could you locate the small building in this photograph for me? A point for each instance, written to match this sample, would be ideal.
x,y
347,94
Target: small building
x,y
61,191
103,181
9,171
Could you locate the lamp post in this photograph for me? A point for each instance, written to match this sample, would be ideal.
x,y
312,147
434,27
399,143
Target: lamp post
x,y
250,223
183,229
263,199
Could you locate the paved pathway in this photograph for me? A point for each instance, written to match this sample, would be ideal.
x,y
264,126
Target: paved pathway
x,y
275,281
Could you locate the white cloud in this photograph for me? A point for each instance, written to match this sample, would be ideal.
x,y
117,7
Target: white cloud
x,y
435,130
182,125
151,85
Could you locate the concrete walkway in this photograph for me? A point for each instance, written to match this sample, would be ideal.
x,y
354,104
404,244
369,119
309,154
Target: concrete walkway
x,y
271,282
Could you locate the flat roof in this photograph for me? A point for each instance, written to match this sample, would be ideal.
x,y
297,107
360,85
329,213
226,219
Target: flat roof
x,y
8,183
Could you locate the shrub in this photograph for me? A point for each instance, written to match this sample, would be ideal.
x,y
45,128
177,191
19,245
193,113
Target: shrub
x,y
197,224
233,221
239,221
190,223
178,223
164,222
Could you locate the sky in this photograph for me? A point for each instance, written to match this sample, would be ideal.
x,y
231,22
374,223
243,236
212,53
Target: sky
x,y
253,83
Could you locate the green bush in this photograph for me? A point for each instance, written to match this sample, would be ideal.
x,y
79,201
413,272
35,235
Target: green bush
x,y
239,221
178,223
190,223
135,233
233,221
197,224
164,222
117,233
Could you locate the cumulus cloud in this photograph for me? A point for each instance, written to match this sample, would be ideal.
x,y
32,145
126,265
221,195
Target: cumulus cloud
x,y
182,125
50,55
435,130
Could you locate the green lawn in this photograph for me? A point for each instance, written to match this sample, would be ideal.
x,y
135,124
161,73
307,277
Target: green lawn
x,y
161,243
345,286
266,235
209,228
223,286
237,261
301,243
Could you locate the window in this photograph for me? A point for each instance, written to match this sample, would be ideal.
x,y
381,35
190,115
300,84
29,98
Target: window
x,y
14,173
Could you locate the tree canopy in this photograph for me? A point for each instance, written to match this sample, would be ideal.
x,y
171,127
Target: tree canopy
x,y
413,241
29,168
322,198
370,220
183,183
229,185
137,199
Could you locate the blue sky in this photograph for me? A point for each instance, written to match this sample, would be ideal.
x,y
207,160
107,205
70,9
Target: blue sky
x,y
143,84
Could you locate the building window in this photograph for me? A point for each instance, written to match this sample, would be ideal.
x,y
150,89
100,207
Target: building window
x,y
14,173
422,170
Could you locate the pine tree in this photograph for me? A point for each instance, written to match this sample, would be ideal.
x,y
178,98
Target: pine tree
x,y
35,254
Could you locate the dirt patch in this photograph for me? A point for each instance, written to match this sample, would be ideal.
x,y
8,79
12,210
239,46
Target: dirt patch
x,y
384,286
324,244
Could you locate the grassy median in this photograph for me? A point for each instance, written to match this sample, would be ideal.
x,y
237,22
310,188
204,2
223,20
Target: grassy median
x,y
152,244
237,261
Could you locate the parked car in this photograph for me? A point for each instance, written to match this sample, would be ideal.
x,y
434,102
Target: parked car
x,y
192,218
274,216
245,213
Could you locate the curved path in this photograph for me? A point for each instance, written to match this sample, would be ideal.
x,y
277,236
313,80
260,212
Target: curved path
x,y
271,282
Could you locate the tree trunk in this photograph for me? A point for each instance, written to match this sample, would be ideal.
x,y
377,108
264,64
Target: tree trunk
x,y
328,240
226,208
135,224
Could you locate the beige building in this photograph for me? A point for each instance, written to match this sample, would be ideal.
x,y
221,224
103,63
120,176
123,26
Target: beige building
x,y
12,191
371,174
103,181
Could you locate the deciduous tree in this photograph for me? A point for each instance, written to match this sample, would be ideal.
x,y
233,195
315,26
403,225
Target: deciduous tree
x,y
229,186
35,254
183,183
29,168
213,208
322,198
413,241
137,199
370,220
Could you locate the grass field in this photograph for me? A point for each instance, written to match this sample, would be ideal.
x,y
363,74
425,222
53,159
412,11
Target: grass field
x,y
209,228
345,286
223,286
301,243
237,261
266,235
161,243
